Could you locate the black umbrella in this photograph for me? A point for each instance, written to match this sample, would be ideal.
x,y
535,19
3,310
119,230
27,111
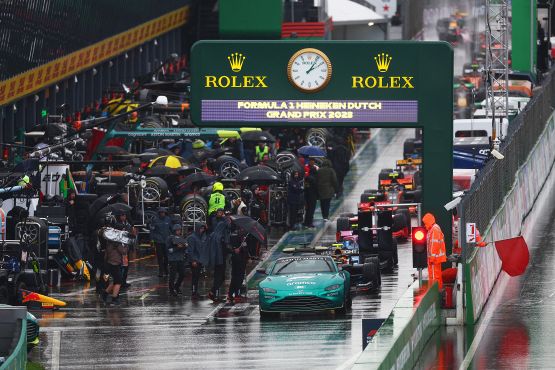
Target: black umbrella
x,y
200,178
259,175
258,136
98,219
250,226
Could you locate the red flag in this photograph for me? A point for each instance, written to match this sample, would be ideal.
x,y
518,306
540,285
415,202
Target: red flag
x,y
514,255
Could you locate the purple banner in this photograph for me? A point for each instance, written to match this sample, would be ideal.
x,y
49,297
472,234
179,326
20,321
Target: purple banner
x,y
355,111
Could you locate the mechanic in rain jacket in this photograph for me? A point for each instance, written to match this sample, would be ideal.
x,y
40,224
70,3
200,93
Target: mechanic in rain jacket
x,y
176,248
199,254
218,242
160,229
436,248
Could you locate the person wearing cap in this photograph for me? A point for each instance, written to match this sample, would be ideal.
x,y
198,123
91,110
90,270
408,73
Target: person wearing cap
x,y
217,200
261,151
160,229
199,254
176,248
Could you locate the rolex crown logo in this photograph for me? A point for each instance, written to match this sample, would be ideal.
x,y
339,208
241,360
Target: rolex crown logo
x,y
382,61
236,61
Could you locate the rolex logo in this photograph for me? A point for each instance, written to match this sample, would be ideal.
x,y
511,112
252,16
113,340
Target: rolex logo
x,y
236,61
382,61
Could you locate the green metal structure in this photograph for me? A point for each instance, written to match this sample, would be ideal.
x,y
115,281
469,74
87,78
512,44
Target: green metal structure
x,y
359,84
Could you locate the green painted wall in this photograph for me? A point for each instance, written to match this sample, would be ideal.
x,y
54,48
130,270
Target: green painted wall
x,y
524,36
250,19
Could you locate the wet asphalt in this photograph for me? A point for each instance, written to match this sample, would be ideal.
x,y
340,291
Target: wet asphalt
x,y
151,329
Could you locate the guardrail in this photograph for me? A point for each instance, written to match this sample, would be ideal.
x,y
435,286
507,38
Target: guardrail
x,y
18,356
505,191
403,335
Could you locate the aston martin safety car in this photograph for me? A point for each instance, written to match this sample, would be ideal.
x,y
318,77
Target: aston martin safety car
x,y
305,282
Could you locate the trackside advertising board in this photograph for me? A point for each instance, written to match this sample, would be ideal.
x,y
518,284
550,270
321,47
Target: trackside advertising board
x,y
334,84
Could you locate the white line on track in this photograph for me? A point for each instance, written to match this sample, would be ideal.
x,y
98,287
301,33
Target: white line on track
x,y
214,311
56,344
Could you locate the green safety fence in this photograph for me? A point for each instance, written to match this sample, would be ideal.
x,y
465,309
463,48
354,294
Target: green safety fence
x,y
403,335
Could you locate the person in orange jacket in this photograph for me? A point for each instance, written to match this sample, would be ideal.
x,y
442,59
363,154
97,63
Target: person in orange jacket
x,y
436,248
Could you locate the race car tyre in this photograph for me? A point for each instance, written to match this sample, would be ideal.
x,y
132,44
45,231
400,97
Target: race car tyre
x,y
408,148
371,271
151,122
156,189
227,167
150,215
194,209
347,304
232,194
395,253
399,222
4,295
33,231
406,214
317,137
347,214
285,158
343,224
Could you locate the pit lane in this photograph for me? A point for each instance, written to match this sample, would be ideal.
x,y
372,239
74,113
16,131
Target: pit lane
x,y
150,329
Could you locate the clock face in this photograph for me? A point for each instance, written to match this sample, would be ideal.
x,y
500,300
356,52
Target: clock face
x,y
309,70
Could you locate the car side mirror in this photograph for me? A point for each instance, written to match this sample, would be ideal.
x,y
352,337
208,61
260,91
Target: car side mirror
x,y
261,271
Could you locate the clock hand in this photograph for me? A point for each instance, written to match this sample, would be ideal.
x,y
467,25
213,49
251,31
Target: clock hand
x,y
311,67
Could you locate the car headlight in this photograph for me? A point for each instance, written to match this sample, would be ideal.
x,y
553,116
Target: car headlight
x,y
269,290
333,287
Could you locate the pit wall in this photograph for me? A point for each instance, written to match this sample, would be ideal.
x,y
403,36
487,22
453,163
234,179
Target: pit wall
x,y
515,215
403,335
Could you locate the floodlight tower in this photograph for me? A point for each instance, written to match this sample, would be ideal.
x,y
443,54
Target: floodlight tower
x,y
497,60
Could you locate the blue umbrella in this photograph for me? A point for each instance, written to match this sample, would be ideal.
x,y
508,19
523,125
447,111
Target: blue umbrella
x,y
311,151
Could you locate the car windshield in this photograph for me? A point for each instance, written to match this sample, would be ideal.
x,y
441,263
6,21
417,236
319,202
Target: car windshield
x,y
301,265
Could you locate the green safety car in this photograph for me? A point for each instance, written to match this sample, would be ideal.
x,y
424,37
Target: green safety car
x,y
303,283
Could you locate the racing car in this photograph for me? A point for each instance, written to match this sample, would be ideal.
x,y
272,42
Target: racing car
x,y
303,283
372,230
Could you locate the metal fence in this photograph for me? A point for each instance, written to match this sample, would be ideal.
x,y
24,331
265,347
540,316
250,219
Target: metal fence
x,y
496,178
34,32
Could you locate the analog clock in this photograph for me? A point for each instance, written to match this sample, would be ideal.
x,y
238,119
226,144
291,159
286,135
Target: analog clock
x,y
309,70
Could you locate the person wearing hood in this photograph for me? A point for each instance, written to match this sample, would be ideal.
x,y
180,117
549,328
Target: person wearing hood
x,y
310,191
239,259
327,186
160,229
218,242
295,198
339,156
199,255
436,248
176,248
